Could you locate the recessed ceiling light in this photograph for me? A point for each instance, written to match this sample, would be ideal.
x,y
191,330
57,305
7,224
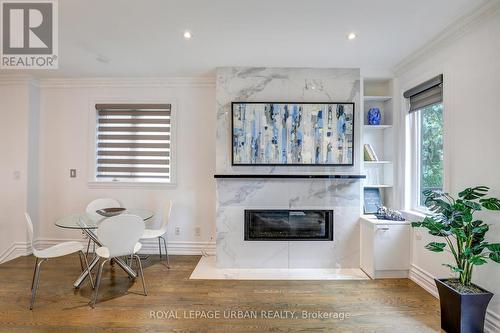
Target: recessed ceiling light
x,y
188,34
351,36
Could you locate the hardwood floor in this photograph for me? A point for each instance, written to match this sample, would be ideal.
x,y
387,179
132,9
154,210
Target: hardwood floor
x,y
395,305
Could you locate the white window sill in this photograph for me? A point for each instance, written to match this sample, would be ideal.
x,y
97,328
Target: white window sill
x,y
137,185
414,215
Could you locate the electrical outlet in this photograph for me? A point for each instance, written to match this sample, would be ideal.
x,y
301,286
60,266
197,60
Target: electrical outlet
x,y
72,173
177,231
16,175
197,231
418,235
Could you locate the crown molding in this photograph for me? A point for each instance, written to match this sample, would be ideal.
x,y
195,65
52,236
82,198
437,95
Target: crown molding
x,y
127,82
453,32
13,79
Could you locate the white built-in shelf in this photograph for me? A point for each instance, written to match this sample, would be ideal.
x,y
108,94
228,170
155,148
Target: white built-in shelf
x,y
377,98
378,162
379,94
379,127
378,186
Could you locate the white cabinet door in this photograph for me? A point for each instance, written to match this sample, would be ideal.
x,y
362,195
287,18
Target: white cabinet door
x,y
392,247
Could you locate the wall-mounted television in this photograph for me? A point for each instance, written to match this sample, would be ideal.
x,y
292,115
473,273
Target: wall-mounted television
x,y
292,134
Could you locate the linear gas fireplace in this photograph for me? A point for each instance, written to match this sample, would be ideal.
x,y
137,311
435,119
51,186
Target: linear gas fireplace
x,y
288,225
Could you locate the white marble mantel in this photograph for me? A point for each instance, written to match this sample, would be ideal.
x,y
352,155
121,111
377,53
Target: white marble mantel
x,y
236,195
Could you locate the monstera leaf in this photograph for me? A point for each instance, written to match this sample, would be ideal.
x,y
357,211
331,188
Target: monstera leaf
x,y
453,219
454,268
495,252
490,203
472,193
435,247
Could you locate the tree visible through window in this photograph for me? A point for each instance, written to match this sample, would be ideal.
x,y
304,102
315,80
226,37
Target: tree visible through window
x,y
431,148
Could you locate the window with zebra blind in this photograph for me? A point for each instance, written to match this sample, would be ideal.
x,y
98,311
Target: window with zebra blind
x,y
133,143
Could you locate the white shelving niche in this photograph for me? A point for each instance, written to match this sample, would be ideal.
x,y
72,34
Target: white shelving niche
x,y
380,174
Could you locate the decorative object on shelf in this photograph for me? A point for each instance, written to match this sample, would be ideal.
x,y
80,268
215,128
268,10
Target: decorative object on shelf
x,y
109,212
463,304
369,153
299,134
374,116
372,200
385,213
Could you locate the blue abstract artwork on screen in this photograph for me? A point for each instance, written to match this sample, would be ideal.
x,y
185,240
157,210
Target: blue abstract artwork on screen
x,y
292,133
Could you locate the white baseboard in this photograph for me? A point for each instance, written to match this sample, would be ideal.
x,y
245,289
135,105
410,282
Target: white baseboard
x,y
16,249
492,322
425,280
149,246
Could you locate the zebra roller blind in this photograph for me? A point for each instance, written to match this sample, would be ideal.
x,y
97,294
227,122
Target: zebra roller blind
x,y
133,142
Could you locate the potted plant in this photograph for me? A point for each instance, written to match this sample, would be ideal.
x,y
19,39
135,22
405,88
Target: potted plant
x,y
463,304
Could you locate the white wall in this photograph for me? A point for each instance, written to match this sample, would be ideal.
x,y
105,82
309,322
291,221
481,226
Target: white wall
x,y
14,126
471,69
64,144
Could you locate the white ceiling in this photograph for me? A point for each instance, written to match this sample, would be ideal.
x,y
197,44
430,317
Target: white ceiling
x,y
144,38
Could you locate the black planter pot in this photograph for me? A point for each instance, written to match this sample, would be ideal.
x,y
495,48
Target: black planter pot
x,y
462,313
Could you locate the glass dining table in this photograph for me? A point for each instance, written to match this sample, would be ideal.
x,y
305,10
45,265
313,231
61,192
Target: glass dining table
x,y
87,223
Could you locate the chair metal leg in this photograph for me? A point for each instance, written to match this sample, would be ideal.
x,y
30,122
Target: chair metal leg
x,y
81,262
88,248
35,282
159,246
98,282
166,250
34,271
142,274
88,267
130,262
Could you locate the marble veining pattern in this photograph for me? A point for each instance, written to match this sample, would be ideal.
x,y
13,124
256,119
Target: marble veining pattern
x,y
235,195
260,84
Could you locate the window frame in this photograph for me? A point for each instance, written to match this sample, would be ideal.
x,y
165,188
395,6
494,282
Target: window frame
x,y
406,178
415,121
94,182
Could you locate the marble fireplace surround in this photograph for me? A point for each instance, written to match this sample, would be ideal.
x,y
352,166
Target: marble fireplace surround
x,y
235,195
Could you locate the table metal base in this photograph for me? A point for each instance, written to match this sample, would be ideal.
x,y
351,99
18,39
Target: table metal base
x,y
95,260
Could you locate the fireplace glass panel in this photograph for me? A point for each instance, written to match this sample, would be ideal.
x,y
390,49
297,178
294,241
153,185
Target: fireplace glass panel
x,y
288,225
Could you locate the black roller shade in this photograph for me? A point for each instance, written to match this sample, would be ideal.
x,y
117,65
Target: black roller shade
x,y
425,94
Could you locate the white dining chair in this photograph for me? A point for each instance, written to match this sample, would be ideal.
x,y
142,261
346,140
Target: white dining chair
x,y
97,204
55,251
119,236
158,233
